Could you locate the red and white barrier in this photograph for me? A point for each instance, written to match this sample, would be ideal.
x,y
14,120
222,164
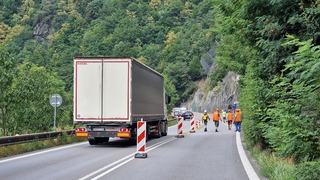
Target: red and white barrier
x,y
192,125
141,140
198,124
180,131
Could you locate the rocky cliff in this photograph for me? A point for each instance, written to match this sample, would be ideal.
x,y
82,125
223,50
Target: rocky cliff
x,y
224,94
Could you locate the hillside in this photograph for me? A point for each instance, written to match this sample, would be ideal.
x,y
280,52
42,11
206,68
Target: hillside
x,y
272,45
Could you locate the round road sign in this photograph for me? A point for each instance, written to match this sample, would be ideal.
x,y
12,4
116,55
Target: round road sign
x,y
55,100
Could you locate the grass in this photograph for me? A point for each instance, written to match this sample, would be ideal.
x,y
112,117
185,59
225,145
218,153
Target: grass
x,y
276,168
172,122
32,146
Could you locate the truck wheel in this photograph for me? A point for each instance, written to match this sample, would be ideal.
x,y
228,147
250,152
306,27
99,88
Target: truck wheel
x,y
93,142
148,132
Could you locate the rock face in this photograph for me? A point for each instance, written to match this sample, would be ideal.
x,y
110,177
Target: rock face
x,y
224,94
42,30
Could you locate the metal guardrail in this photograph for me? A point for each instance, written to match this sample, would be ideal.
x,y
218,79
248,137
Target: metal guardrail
x,y
11,140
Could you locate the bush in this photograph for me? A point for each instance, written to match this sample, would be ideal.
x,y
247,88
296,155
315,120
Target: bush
x,y
308,170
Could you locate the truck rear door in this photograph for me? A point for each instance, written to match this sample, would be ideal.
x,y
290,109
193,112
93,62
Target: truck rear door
x,y
102,89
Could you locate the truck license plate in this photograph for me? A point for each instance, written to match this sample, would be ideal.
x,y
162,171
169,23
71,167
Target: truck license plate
x,y
98,129
112,129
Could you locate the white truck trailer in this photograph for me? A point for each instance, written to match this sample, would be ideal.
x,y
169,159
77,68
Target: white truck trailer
x,y
111,94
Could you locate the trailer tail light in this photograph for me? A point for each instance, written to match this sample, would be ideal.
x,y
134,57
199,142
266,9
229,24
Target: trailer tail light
x,y
81,129
81,133
124,133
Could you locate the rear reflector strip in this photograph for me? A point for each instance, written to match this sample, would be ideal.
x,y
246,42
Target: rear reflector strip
x,y
123,134
82,134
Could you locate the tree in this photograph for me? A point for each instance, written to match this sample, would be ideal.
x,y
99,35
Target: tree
x,y
293,130
7,73
28,109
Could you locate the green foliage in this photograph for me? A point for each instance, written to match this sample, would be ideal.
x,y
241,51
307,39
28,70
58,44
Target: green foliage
x,y
232,50
29,109
171,91
252,105
294,127
48,35
12,150
308,170
280,82
7,73
279,77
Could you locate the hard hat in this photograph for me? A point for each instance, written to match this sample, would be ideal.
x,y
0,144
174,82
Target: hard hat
x,y
205,111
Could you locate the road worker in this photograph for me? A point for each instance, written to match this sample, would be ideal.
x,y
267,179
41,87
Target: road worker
x,y
216,119
237,120
229,119
224,115
205,119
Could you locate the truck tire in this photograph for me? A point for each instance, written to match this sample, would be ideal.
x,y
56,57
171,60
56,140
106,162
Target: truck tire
x,y
148,132
93,141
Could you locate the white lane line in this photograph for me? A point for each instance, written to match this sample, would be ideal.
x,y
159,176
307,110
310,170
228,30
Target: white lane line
x,y
245,161
130,156
106,167
110,170
42,152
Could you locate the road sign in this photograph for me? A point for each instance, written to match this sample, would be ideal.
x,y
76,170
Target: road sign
x,y
55,100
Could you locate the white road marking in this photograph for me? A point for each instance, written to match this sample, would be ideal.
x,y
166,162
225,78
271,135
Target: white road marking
x,y
125,160
42,152
245,161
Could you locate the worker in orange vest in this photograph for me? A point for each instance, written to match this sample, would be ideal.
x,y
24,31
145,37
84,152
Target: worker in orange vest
x,y
229,119
216,119
237,120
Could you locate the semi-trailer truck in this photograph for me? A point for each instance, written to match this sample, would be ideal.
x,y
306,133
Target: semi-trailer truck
x,y
111,94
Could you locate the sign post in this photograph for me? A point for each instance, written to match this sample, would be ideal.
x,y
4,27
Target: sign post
x,y
55,101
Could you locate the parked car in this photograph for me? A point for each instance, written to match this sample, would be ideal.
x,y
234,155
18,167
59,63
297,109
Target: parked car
x,y
187,115
175,111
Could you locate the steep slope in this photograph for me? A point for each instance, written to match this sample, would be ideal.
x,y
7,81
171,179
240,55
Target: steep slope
x,y
224,94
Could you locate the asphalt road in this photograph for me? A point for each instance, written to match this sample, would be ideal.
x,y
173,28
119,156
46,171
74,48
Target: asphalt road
x,y
200,155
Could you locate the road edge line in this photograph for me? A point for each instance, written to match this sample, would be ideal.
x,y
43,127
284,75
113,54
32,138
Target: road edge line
x,y
245,161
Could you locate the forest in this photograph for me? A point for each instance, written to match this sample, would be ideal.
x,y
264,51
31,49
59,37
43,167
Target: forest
x,y
273,44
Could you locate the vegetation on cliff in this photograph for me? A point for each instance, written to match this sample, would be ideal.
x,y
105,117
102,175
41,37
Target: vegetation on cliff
x,y
273,44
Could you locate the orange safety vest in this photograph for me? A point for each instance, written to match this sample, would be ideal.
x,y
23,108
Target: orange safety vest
x,y
216,116
229,116
237,117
